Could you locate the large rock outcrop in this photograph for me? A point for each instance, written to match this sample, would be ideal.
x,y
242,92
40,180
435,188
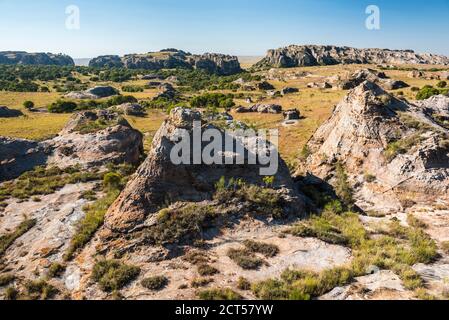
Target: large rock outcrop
x,y
89,139
315,55
170,59
391,150
25,58
371,75
159,181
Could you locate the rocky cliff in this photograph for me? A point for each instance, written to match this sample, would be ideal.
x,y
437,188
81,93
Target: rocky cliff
x,y
25,58
314,55
171,58
392,151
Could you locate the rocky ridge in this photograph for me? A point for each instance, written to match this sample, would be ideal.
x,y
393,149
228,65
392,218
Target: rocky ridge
x,y
315,55
170,59
25,58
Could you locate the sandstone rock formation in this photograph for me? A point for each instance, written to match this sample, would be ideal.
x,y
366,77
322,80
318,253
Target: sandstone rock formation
x,y
25,58
93,93
314,55
261,108
5,112
130,109
170,59
373,76
159,181
391,150
89,139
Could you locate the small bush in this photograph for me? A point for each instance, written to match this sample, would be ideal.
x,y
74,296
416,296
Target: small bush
x,y
342,186
201,282
426,93
6,279
369,178
268,250
243,284
61,106
112,180
219,294
207,270
155,283
28,105
56,270
11,293
442,84
245,259
196,257
113,275
40,289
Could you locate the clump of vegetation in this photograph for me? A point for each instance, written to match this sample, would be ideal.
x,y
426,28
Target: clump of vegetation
x,y
8,239
268,250
112,275
93,219
401,146
262,200
245,259
305,153
183,224
62,106
6,279
415,222
342,186
207,270
302,285
243,284
196,257
442,84
201,282
155,283
56,270
213,101
11,293
445,247
28,105
219,294
369,178
428,91
133,89
43,181
40,290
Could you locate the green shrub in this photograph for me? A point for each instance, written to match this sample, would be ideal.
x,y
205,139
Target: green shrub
x,y
62,106
201,282
113,275
184,224
40,290
207,270
243,284
342,186
6,279
219,294
93,219
245,259
8,239
442,84
112,180
268,250
11,293
28,105
426,93
56,270
132,89
155,283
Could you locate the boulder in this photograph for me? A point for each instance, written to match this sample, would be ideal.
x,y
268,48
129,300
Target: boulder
x,y
130,109
360,135
394,84
292,114
102,91
96,138
373,76
166,91
159,182
5,112
288,90
415,74
264,85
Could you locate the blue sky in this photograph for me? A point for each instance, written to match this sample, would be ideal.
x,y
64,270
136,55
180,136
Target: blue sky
x,y
240,27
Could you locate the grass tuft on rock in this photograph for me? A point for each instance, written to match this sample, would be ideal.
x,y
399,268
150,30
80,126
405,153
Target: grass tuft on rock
x,y
112,275
219,294
155,283
8,239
